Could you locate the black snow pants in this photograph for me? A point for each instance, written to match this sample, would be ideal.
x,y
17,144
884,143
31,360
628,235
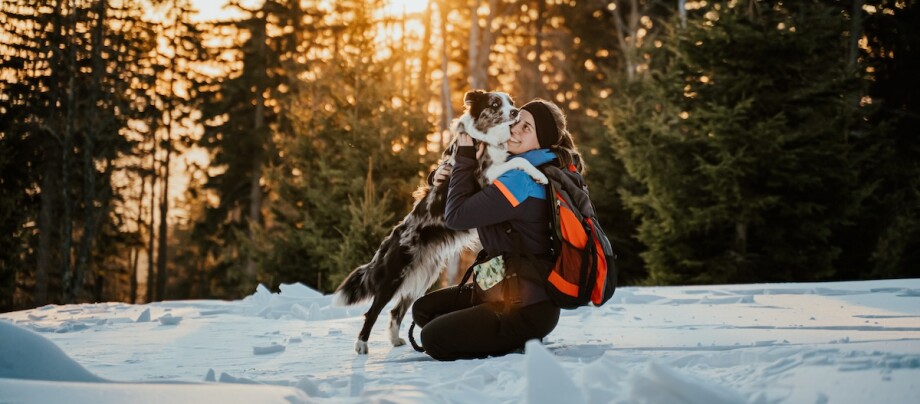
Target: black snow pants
x,y
456,325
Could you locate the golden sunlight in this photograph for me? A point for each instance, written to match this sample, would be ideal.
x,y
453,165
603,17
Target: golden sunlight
x,y
398,7
211,10
388,33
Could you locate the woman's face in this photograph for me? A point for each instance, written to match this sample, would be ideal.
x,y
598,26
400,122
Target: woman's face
x,y
523,135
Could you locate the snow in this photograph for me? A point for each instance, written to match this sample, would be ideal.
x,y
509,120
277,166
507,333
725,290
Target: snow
x,y
843,342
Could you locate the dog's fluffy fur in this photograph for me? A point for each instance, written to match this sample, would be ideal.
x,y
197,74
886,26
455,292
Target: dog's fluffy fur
x,y
411,256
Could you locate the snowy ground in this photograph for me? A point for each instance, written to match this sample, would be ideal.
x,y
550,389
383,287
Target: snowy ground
x,y
848,342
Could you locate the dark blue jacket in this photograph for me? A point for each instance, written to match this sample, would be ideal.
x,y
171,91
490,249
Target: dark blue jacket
x,y
513,198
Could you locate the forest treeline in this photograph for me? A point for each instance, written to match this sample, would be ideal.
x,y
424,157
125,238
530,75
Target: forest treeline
x,y
148,153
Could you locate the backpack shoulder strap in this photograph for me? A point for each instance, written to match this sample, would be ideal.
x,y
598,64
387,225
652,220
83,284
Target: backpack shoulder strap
x,y
571,185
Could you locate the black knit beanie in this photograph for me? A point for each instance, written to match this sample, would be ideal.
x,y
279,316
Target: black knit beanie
x,y
547,133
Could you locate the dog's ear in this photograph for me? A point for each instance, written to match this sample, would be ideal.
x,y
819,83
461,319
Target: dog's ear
x,y
474,96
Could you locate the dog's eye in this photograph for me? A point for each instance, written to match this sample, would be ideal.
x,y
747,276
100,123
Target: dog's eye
x,y
495,105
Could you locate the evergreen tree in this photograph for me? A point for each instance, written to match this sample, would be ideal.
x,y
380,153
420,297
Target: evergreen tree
x,y
345,112
177,97
367,227
67,72
243,119
21,149
884,239
608,49
740,146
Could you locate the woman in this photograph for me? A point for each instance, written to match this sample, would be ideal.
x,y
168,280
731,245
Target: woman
x,y
506,304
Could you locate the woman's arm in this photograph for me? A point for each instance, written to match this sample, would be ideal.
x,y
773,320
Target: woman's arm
x,y
468,207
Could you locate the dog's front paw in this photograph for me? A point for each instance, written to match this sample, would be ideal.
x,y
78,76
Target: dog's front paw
x,y
361,347
398,342
540,178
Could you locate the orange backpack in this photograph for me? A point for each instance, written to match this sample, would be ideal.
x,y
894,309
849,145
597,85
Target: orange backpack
x,y
584,271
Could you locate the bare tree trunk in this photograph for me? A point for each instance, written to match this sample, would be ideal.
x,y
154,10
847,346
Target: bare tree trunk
x,y
538,90
203,277
255,187
485,50
473,52
741,237
67,220
855,32
626,36
852,57
45,232
447,112
50,184
99,285
133,255
255,201
92,215
481,41
137,253
424,89
90,230
179,17
405,91
682,12
151,228
162,247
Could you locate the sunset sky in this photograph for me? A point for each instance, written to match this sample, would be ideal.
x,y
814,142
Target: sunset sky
x,y
214,9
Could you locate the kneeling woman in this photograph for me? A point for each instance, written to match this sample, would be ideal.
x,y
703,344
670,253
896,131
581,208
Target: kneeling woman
x,y
506,304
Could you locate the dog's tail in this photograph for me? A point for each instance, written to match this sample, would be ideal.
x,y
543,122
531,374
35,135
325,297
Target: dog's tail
x,y
354,289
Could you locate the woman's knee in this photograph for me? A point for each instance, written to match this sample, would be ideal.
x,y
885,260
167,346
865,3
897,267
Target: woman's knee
x,y
535,321
422,311
433,340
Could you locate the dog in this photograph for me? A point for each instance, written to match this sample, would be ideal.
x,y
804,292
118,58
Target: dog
x,y
410,258
491,130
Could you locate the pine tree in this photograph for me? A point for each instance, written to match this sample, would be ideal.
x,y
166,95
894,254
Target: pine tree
x,y
608,50
344,113
243,119
68,69
367,225
739,146
884,240
22,149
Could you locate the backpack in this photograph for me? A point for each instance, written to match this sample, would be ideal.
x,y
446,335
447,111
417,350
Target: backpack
x,y
584,271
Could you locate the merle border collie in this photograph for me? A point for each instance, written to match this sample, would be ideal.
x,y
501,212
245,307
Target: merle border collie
x,y
410,258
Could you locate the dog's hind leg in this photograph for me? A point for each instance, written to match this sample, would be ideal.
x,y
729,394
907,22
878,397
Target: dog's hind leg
x,y
370,318
396,317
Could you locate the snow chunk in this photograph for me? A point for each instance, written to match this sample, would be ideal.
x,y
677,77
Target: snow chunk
x,y
298,290
144,317
169,319
27,355
269,349
547,381
309,386
661,384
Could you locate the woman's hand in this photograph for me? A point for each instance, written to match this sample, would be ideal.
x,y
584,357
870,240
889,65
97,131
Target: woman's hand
x,y
464,139
441,174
